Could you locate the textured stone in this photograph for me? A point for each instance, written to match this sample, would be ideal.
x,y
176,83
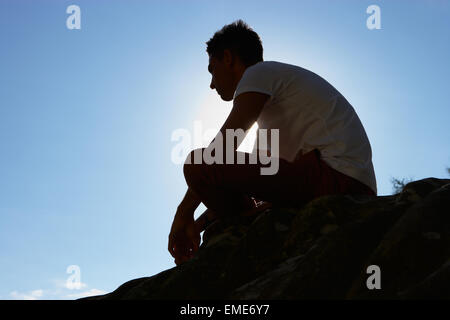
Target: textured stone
x,y
321,250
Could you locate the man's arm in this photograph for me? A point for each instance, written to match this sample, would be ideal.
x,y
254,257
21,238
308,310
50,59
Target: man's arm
x,y
246,110
189,203
184,237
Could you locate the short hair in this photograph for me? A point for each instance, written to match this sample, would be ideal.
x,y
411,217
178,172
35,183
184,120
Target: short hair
x,y
240,39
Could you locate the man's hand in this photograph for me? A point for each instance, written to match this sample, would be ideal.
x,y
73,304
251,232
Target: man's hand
x,y
184,237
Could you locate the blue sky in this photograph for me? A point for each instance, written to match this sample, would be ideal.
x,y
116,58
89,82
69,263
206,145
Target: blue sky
x,y
87,116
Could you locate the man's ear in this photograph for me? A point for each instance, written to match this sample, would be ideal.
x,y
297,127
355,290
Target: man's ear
x,y
228,58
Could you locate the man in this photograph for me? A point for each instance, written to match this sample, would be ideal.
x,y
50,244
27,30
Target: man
x,y
323,148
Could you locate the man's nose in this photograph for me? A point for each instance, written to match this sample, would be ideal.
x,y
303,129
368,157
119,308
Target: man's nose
x,y
212,85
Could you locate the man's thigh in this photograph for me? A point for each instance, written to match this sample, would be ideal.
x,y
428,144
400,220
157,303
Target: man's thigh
x,y
290,184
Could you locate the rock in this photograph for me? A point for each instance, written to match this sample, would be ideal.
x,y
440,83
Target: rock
x,y
321,250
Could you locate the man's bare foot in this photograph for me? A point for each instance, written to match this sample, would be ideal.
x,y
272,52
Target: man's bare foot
x,y
260,207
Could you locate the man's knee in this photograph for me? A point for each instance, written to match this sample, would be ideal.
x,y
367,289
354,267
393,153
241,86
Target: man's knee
x,y
193,165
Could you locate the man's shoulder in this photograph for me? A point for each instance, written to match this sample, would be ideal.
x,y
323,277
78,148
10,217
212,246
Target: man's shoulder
x,y
277,69
271,77
273,64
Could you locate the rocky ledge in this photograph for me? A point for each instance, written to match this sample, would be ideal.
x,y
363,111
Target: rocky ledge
x,y
335,247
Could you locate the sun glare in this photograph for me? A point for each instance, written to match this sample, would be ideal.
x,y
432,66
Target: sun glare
x,y
212,113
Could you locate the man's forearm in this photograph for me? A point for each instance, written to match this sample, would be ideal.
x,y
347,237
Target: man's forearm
x,y
190,202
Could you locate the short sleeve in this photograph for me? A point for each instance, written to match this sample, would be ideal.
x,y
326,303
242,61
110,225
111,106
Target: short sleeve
x,y
256,78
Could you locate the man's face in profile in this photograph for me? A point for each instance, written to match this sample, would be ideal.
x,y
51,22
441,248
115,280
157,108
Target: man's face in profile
x,y
221,80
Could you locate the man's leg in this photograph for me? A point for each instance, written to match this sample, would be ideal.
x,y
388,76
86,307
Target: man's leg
x,y
228,188
209,216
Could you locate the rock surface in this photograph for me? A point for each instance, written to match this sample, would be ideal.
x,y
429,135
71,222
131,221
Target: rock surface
x,y
319,251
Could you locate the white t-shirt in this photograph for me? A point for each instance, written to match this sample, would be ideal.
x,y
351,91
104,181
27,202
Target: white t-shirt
x,y
310,114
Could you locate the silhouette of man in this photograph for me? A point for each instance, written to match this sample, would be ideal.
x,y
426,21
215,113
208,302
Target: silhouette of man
x,y
322,147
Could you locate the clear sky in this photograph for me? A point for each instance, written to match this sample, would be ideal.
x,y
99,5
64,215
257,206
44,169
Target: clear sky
x,y
87,116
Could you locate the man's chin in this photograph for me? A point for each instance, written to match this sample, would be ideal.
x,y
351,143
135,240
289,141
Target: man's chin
x,y
225,98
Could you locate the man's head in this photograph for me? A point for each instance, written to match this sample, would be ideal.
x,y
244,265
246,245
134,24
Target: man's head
x,y
231,50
